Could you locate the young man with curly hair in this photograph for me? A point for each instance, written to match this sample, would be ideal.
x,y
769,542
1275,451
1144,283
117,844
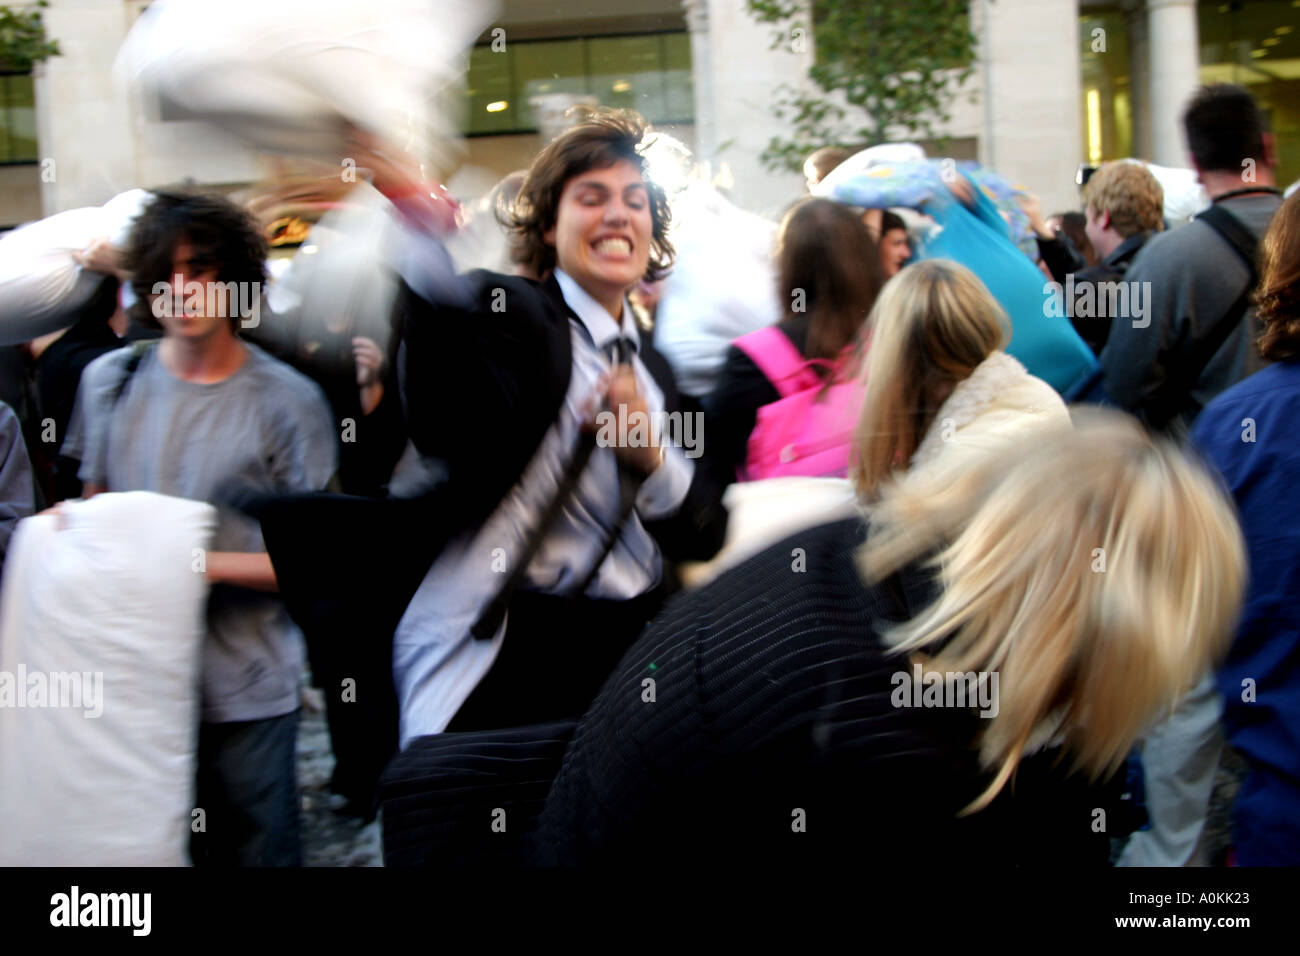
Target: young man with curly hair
x,y
199,411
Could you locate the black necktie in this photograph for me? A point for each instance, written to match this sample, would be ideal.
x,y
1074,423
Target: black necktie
x,y
619,350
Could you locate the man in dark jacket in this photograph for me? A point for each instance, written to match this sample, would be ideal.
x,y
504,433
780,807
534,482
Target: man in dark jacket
x,y
1195,336
524,612
1124,205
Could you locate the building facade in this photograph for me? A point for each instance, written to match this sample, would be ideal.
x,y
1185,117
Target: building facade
x,y
1056,83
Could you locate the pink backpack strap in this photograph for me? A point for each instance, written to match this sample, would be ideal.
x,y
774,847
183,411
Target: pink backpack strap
x,y
777,358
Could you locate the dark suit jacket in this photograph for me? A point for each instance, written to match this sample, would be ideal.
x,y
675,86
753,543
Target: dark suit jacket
x,y
482,384
1062,260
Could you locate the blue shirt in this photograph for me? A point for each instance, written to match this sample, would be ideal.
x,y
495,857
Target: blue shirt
x,y
1248,434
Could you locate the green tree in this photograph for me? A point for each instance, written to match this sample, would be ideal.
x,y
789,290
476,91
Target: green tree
x,y
22,39
882,67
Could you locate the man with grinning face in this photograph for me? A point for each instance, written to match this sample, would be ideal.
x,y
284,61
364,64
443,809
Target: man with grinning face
x,y
561,542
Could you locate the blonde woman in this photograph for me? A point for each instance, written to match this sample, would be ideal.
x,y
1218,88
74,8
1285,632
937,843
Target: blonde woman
x,y
1081,579
939,390
939,386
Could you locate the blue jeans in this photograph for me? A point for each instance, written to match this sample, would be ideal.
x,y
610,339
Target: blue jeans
x,y
248,792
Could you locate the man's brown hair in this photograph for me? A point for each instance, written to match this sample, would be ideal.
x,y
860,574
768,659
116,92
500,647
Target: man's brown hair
x,y
1278,302
824,160
1130,194
602,137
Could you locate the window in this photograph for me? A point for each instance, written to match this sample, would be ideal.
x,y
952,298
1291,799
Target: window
x,y
649,72
1107,113
17,119
1257,45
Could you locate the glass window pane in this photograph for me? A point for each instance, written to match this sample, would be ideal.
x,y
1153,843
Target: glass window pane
x,y
552,66
4,118
627,72
1256,44
20,117
489,91
650,73
679,89
1106,115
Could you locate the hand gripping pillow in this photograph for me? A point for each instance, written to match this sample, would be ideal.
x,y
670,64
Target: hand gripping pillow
x,y
42,289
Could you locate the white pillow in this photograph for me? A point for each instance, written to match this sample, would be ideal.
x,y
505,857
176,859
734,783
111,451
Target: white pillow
x,y
40,291
38,275
761,513
723,286
283,74
106,779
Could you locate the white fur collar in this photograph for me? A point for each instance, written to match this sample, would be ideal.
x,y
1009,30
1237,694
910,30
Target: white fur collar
x,y
970,399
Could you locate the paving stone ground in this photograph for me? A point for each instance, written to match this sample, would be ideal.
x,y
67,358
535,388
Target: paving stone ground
x,y
328,838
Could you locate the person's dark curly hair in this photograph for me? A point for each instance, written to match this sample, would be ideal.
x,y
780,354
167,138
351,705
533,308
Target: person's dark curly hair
x,y
603,137
222,235
1278,300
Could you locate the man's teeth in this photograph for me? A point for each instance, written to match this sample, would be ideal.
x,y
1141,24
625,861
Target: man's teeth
x,y
617,246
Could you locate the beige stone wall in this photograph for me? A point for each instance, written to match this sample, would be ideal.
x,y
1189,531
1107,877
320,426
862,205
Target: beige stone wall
x,y
738,98
101,146
1034,82
83,123
1029,130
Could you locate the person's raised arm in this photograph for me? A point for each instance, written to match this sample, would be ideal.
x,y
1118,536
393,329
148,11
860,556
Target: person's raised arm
x,y
425,213
1060,256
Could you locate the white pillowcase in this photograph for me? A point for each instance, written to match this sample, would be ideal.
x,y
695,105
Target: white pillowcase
x,y
284,74
107,777
761,513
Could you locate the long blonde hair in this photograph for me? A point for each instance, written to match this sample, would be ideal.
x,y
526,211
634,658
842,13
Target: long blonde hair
x,y
932,325
1097,570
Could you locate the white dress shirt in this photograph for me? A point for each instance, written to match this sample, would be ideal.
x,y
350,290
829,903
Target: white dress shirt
x,y
436,663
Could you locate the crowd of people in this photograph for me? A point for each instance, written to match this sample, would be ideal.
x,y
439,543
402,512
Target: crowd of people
x,y
944,468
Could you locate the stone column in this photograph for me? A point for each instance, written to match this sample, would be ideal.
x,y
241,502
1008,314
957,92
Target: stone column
x,y
743,77
1175,74
83,120
697,21
1032,92
1139,73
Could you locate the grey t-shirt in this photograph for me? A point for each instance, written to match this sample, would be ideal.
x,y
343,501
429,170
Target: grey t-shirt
x,y
266,427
